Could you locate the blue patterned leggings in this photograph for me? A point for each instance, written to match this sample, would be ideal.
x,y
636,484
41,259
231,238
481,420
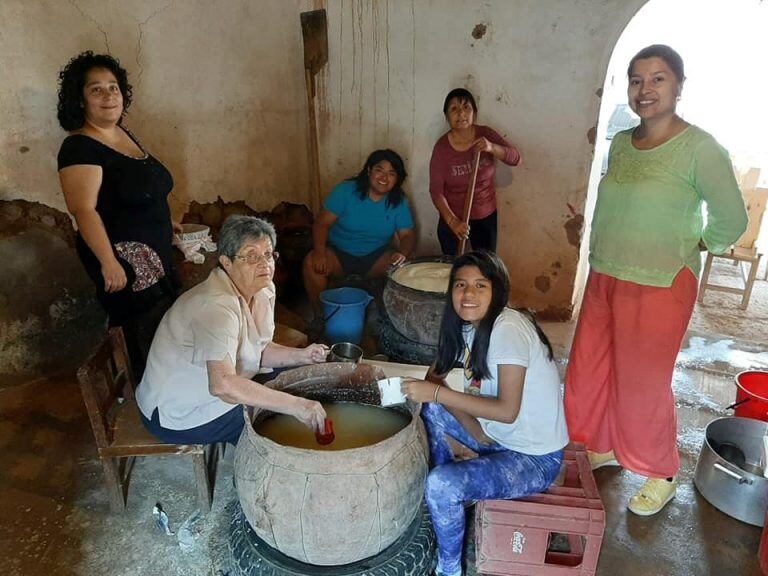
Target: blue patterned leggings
x,y
497,473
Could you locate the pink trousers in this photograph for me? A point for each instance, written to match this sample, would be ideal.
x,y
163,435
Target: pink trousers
x,y
618,386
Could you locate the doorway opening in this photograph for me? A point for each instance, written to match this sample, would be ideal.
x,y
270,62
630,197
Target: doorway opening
x,y
724,94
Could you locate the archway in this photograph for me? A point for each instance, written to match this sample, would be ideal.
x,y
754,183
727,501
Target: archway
x,y
723,92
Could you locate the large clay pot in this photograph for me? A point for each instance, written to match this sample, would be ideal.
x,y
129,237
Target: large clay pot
x,y
331,507
415,314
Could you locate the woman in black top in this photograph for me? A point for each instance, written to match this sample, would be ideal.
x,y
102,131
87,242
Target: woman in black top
x,y
117,193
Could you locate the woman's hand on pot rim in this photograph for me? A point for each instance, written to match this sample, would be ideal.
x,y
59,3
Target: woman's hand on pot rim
x,y
397,258
315,353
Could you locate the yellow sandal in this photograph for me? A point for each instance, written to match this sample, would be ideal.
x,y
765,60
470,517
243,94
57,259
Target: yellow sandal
x,y
652,496
600,459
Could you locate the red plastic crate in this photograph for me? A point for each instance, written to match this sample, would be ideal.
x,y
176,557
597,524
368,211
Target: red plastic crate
x,y
513,537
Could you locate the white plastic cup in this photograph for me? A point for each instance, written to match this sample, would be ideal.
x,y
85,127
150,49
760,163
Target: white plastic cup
x,y
389,388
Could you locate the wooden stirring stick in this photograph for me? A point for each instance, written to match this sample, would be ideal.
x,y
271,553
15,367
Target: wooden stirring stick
x,y
468,203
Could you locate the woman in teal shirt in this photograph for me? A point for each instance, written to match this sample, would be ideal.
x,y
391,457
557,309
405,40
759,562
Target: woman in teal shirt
x,y
647,235
365,226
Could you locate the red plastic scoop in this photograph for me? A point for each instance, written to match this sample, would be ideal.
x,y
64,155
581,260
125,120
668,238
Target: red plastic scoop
x,y
326,436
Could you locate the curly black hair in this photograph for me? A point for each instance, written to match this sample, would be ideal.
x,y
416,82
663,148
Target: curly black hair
x,y
72,81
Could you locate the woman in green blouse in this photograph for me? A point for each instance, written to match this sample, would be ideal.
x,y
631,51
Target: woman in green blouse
x,y
647,235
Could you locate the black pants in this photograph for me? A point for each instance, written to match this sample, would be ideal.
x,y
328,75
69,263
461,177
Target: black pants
x,y
482,235
139,329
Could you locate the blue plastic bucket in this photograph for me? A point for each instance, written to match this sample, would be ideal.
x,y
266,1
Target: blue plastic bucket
x,y
344,314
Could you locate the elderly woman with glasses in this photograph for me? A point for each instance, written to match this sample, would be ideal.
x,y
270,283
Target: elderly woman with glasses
x,y
214,339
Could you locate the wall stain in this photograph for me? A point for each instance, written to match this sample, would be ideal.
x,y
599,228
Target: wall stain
x,y
592,135
542,283
479,31
573,229
16,216
556,313
24,149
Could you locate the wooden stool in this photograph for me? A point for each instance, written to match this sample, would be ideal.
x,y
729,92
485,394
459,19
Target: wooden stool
x,y
513,537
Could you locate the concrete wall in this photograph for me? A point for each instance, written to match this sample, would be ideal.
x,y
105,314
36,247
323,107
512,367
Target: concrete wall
x,y
536,69
218,92
219,96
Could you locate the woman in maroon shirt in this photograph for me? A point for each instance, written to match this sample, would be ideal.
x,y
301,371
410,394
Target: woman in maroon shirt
x,y
450,171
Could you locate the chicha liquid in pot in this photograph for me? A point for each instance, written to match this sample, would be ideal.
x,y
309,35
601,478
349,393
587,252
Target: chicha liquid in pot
x,y
354,425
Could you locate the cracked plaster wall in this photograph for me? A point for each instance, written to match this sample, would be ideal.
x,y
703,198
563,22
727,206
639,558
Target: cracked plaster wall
x,y
219,97
536,69
218,92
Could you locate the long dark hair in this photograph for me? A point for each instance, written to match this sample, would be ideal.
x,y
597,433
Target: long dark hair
x,y
395,195
72,81
450,345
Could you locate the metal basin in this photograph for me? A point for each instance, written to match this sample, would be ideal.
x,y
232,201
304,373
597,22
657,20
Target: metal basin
x,y
739,491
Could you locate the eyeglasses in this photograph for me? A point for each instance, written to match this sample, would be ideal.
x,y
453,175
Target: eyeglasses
x,y
252,258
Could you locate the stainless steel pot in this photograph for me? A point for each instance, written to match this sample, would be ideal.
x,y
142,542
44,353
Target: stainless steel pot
x,y
345,352
740,492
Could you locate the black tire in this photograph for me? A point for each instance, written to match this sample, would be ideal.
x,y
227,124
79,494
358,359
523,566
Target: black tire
x,y
401,349
413,554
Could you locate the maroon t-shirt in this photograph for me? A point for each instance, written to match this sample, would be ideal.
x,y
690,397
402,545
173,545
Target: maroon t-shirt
x,y
451,170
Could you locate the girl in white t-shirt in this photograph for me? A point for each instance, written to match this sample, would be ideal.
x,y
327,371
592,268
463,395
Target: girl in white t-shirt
x,y
511,410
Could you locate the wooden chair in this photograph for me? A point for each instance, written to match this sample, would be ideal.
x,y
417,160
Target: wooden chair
x,y
107,385
743,252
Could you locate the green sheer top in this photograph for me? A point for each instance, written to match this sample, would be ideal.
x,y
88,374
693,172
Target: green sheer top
x,y
648,219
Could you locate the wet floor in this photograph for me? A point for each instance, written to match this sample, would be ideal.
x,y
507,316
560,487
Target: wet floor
x,y
56,521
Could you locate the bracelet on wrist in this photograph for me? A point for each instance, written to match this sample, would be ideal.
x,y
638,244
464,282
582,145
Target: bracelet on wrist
x,y
437,393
